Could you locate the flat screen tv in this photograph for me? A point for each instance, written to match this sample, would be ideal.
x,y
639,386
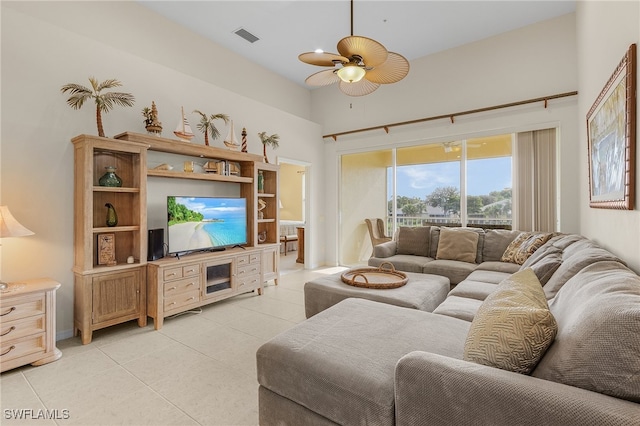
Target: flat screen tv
x,y
205,223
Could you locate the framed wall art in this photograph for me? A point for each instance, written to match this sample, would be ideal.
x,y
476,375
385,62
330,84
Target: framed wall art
x,y
611,133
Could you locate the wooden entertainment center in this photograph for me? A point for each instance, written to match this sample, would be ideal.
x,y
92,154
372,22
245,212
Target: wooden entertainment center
x,y
112,291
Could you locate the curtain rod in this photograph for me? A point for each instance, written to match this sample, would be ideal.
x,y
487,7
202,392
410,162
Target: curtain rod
x,y
451,117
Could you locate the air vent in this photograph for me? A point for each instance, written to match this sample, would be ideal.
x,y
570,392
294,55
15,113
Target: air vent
x,y
246,35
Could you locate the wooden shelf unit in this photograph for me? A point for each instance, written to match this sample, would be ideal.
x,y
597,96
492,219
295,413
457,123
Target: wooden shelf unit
x,y
106,295
249,267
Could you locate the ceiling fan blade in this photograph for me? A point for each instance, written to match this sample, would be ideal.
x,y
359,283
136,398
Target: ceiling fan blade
x,y
371,52
393,70
321,59
322,78
360,88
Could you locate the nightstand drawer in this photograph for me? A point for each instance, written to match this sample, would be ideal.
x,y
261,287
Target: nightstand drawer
x,y
180,300
23,347
11,330
28,306
181,286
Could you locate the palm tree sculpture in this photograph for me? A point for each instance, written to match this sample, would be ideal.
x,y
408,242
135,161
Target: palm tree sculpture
x,y
272,140
206,125
104,102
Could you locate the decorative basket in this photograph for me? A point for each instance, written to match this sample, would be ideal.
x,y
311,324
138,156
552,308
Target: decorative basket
x,y
380,277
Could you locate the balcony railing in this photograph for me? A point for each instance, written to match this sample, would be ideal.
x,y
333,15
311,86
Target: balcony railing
x,y
486,223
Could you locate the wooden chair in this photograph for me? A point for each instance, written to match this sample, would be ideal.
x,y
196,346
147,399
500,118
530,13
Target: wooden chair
x,y
377,231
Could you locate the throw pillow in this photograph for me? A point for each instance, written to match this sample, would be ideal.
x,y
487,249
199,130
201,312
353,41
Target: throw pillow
x,y
524,246
513,327
414,240
458,244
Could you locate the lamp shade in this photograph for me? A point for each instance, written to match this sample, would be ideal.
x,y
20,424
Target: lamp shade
x,y
9,226
351,73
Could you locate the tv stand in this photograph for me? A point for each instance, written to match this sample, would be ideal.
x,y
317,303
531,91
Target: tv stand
x,y
177,285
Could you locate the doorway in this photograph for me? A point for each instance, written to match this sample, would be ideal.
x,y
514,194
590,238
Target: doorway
x,y
294,207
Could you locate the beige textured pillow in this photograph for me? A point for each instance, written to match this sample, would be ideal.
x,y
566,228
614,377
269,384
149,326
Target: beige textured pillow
x,y
524,246
457,244
414,240
513,327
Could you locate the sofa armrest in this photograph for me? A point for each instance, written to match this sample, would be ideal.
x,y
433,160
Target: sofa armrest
x,y
437,390
387,249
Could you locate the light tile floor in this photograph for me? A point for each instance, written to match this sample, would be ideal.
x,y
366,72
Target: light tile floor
x,y
199,369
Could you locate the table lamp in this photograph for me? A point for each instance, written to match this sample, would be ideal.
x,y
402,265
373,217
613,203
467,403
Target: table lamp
x,y
10,227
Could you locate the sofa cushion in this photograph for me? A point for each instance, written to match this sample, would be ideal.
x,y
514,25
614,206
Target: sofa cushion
x,y
457,244
506,267
478,290
435,239
341,362
524,246
496,242
463,308
513,327
589,254
490,276
598,342
545,267
414,240
455,270
402,262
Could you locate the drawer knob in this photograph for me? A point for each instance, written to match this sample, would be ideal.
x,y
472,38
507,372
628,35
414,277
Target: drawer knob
x,y
8,331
172,303
172,288
8,350
13,308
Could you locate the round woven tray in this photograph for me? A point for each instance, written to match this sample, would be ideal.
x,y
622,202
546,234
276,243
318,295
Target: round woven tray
x,y
379,277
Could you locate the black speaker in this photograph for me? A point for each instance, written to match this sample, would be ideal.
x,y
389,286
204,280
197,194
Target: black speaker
x,y
155,244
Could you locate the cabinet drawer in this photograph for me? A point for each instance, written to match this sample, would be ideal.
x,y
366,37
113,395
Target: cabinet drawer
x,y
10,330
13,308
22,347
172,273
181,286
247,259
247,270
180,300
248,283
191,270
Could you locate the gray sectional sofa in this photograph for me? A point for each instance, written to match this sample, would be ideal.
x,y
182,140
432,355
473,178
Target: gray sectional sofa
x,y
362,362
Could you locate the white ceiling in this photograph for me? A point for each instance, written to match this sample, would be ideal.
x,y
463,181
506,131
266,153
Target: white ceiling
x,y
411,28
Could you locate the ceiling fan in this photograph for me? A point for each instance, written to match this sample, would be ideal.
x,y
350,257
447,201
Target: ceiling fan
x,y
361,66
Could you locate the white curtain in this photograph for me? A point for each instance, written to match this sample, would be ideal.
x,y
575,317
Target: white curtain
x,y
535,181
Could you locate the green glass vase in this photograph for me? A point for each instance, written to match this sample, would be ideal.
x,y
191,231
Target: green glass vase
x,y
112,216
110,178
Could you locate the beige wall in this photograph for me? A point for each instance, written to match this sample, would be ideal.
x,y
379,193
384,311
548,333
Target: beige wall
x,y
48,44
291,177
605,30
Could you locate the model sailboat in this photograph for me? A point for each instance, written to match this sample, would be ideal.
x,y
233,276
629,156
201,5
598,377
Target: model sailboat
x,y
231,141
183,129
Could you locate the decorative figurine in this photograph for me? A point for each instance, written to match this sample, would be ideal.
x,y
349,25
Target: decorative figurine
x,y
272,140
112,216
104,102
183,129
151,122
244,139
206,125
231,141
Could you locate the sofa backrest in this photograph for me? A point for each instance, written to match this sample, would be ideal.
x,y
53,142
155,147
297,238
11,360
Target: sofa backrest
x,y
435,238
597,346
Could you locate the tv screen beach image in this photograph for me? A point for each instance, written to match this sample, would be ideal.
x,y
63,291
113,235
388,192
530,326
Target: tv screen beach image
x,y
200,223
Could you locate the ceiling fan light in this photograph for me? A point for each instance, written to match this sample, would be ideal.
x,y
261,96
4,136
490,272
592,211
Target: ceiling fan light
x,y
351,73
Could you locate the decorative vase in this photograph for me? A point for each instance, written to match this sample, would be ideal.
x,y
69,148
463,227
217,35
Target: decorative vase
x,y
112,216
110,178
260,182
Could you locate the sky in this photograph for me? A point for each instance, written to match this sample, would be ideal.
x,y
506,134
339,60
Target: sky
x,y
483,177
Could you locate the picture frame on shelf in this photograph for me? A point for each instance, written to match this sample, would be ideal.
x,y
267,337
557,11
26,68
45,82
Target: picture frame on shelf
x,y
611,137
107,249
